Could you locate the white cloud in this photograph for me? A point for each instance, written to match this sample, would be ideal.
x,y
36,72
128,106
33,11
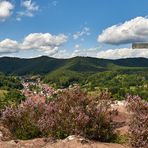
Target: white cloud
x,y
123,53
8,46
77,46
62,54
30,8
84,52
84,32
110,53
29,5
90,52
135,30
55,3
6,8
44,42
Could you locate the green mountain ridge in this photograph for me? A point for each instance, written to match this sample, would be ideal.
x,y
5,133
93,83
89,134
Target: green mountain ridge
x,y
45,65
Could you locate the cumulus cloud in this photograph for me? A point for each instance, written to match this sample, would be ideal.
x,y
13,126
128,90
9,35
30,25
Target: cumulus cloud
x,y
84,32
135,30
62,54
30,8
78,51
122,53
90,52
44,42
6,8
110,53
8,46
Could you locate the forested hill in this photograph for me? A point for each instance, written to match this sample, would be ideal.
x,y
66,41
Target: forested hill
x,y
44,65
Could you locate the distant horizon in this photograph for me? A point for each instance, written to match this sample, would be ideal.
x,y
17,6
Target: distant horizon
x,y
71,57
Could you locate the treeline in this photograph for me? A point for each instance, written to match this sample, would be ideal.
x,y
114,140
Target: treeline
x,y
9,82
10,93
119,83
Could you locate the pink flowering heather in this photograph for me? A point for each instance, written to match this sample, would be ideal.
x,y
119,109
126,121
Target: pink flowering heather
x,y
22,120
70,112
139,122
75,112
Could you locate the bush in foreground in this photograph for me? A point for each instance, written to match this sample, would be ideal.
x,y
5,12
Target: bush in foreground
x,y
22,120
139,122
75,112
71,112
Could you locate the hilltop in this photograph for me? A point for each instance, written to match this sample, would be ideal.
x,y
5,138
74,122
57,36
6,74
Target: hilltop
x,y
45,65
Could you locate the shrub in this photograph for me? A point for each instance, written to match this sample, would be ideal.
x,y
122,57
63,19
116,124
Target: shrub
x,y
139,122
12,97
75,112
22,120
71,112
121,139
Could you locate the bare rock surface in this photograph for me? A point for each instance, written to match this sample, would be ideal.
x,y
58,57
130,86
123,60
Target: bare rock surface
x,y
70,142
122,118
80,142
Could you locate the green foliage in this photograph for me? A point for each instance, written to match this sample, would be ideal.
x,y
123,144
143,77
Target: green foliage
x,y
44,65
10,91
121,139
12,97
119,83
9,82
32,66
28,131
64,78
2,93
34,88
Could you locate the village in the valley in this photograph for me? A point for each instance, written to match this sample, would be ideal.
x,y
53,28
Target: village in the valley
x,y
35,89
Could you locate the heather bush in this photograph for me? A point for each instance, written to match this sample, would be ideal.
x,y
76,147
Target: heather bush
x,y
22,120
71,112
139,122
75,112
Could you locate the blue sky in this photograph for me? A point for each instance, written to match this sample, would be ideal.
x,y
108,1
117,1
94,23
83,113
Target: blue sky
x,y
66,28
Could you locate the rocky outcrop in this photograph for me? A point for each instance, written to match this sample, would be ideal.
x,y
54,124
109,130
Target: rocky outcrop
x,y
70,142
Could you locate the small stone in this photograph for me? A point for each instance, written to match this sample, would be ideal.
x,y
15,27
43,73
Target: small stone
x,y
12,142
84,141
16,141
72,137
